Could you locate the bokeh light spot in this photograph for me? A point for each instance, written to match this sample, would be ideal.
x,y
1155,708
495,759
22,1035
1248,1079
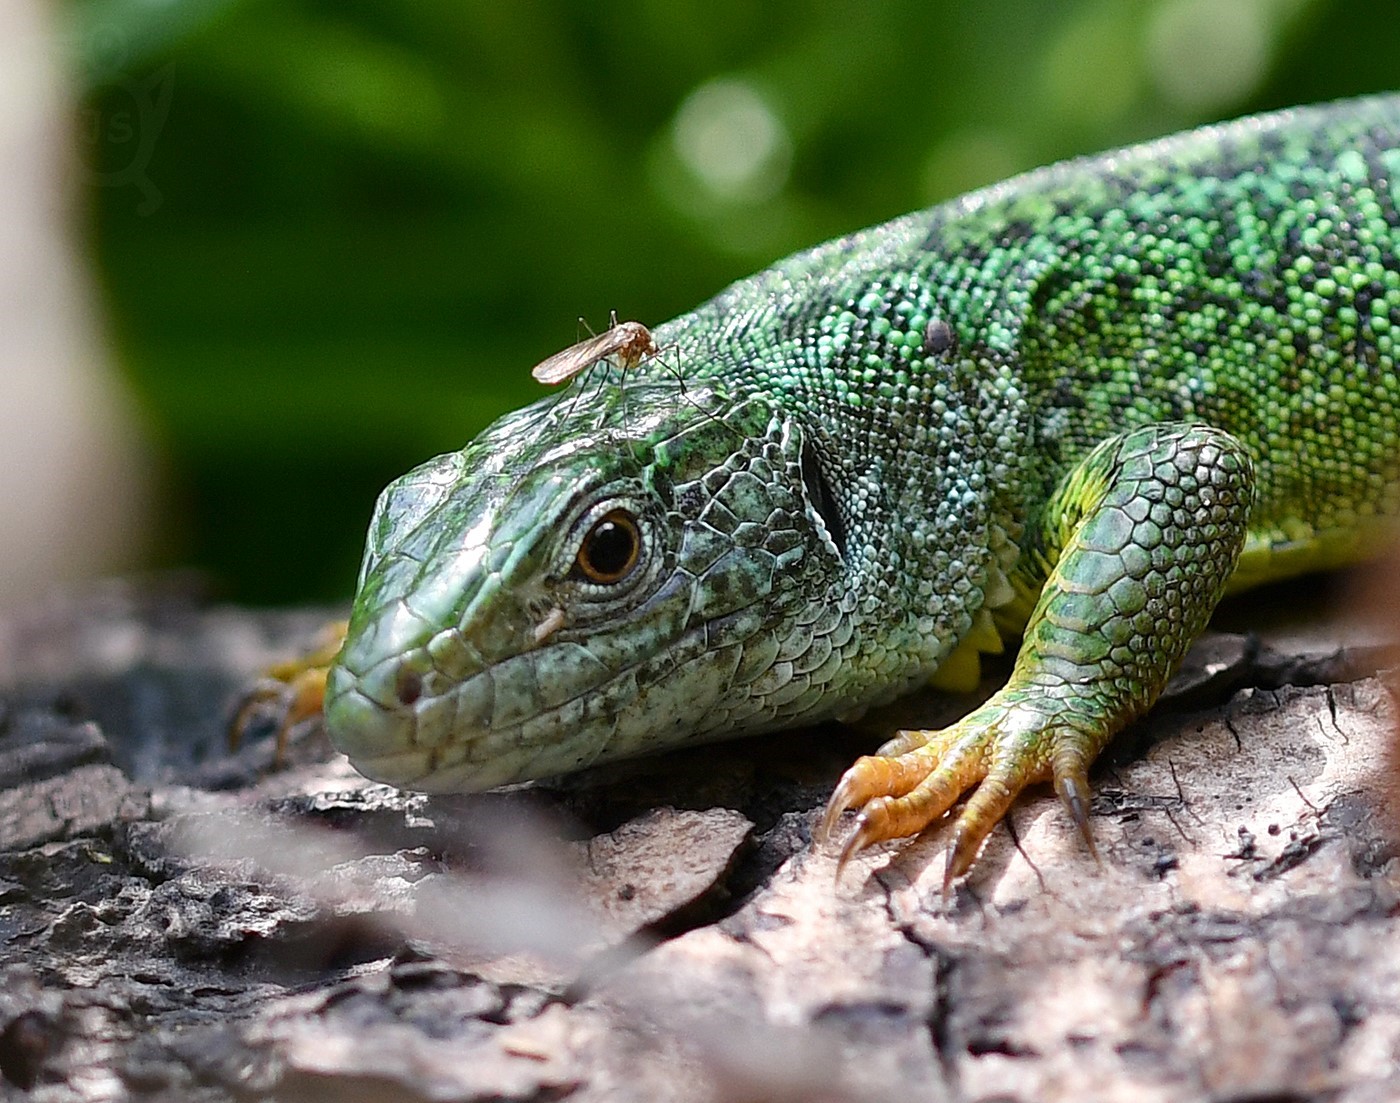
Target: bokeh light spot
x,y
732,142
1204,54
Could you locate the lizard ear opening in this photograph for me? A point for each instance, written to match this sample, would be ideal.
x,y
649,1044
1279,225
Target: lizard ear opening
x,y
823,500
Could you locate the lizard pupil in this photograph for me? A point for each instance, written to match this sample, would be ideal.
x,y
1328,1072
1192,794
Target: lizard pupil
x,y
611,548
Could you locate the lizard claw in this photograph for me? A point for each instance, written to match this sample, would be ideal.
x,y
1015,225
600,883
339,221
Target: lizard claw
x,y
911,782
871,826
1074,793
872,776
857,841
991,757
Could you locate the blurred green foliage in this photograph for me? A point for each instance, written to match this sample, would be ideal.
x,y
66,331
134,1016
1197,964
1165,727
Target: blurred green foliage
x,y
334,235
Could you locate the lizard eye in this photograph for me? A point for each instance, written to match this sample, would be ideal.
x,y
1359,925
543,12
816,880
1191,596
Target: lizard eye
x,y
611,548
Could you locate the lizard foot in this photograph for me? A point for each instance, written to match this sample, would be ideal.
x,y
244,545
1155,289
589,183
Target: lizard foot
x,y
298,687
995,753
1132,581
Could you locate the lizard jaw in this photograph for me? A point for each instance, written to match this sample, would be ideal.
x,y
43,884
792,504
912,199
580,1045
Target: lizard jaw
x,y
439,719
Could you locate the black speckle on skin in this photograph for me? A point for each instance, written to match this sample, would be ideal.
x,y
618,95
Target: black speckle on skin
x,y
938,338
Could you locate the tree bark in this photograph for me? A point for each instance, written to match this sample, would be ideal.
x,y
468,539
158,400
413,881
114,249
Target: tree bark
x,y
179,921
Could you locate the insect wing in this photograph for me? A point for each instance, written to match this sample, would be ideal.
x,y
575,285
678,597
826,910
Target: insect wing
x,y
576,358
632,339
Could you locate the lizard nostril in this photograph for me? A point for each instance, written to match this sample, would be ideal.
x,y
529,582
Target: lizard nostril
x,y
408,686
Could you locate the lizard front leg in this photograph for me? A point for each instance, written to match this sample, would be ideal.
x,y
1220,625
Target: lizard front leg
x,y
1135,546
298,687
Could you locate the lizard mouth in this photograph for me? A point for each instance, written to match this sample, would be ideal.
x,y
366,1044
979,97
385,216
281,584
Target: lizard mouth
x,y
411,723
395,745
438,717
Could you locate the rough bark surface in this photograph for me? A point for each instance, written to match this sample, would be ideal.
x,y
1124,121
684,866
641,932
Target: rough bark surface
x,y
179,921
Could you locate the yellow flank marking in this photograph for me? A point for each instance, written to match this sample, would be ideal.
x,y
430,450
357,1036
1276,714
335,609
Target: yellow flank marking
x,y
984,635
959,672
1294,547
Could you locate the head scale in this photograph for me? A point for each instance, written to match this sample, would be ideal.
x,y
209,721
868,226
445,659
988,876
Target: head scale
x,y
592,576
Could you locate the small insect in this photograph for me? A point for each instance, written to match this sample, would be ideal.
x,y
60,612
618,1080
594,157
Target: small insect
x,y
631,342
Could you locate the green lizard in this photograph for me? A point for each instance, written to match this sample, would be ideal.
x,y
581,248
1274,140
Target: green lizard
x,y
1075,408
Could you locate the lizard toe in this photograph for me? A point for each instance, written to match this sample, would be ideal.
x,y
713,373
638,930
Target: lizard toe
x,y
900,795
875,777
990,757
297,688
1070,766
985,809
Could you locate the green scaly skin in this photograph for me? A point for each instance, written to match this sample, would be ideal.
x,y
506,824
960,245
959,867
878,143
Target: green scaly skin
x,y
1076,406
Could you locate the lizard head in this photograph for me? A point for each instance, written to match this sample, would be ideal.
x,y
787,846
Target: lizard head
x,y
604,573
